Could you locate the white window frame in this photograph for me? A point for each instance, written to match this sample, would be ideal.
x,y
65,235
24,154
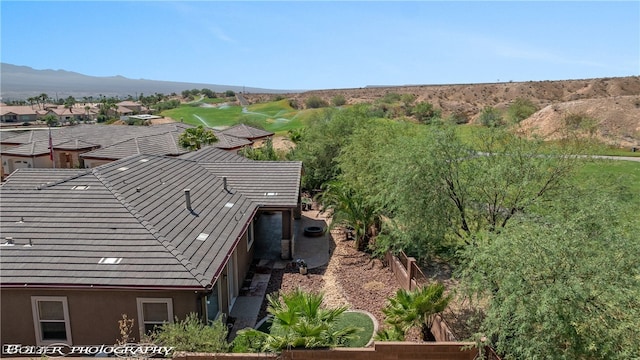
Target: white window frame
x,y
142,322
250,236
37,320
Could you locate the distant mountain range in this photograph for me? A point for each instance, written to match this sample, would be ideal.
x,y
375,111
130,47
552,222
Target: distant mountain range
x,y
22,82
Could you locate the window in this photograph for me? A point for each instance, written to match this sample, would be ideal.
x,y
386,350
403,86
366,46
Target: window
x,y
154,312
250,236
51,319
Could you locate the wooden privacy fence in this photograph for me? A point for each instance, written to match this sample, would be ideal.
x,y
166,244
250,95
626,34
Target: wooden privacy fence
x,y
406,271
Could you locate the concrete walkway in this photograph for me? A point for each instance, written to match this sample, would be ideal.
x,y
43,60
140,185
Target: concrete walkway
x,y
315,251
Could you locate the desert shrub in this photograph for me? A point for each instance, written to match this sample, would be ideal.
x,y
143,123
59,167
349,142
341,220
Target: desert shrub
x,y
425,112
391,97
520,109
315,102
491,117
192,335
580,121
294,104
457,118
338,100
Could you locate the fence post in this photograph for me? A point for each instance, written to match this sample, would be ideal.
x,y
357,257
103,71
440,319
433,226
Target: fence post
x,y
410,264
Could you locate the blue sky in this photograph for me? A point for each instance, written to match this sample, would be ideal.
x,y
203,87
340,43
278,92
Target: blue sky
x,y
326,45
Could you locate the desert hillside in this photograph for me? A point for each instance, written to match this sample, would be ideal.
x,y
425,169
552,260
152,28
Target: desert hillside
x,y
613,103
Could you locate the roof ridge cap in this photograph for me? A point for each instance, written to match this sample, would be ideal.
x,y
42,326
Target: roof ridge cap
x,y
188,265
72,177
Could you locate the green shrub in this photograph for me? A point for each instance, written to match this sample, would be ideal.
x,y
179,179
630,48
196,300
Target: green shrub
x,y
192,335
314,102
491,117
338,100
391,98
425,112
520,109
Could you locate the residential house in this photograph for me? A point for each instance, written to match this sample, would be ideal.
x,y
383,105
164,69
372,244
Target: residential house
x,y
18,114
86,146
247,132
153,237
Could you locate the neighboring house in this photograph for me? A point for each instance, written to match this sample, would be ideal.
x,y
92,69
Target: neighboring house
x,y
130,107
247,132
31,113
18,114
153,237
102,144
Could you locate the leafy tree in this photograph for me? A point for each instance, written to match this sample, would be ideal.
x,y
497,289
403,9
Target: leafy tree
x,y
208,93
425,112
192,335
491,117
565,285
229,93
326,133
415,308
439,191
520,109
194,138
300,320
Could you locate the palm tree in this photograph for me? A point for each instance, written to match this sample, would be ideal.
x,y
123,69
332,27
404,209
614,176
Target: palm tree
x,y
298,320
195,138
415,308
350,209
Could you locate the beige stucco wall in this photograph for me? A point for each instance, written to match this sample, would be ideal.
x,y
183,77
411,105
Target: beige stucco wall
x,y
91,163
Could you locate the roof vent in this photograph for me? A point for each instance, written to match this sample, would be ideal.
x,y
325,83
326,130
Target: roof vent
x,y
187,199
21,221
123,168
228,205
270,194
202,237
109,260
144,160
30,244
9,241
80,187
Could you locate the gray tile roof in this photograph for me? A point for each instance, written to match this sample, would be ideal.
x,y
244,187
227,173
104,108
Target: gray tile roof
x,y
103,135
30,149
247,132
132,209
268,183
214,154
34,178
161,144
227,141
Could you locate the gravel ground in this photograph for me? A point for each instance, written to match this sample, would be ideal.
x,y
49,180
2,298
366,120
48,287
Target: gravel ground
x,y
351,278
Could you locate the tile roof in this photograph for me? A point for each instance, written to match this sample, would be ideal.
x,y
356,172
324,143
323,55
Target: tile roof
x,y
247,132
161,144
227,141
34,178
133,209
268,183
214,154
35,148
